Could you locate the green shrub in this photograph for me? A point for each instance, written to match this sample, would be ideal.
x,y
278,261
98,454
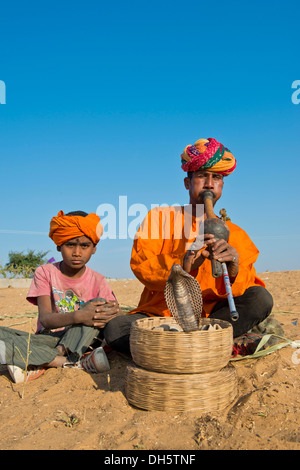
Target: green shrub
x,y
23,265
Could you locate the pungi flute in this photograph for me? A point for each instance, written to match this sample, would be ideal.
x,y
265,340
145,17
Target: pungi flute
x,y
220,230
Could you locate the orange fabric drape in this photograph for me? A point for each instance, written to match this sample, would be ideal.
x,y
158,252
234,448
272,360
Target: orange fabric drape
x,y
65,227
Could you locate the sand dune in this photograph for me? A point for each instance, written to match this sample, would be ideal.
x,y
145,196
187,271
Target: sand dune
x,y
68,409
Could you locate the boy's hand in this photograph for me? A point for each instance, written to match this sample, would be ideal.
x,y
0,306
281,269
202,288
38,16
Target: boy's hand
x,y
105,312
97,313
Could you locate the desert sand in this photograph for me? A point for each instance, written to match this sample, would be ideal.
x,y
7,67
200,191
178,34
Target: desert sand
x,y
67,409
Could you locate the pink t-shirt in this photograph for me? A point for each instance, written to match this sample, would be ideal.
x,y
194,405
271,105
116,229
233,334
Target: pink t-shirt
x,y
67,293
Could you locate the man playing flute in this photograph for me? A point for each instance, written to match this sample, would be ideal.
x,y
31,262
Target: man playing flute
x,y
164,238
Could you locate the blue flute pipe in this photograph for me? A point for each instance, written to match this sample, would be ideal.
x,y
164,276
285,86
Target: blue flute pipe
x,y
233,313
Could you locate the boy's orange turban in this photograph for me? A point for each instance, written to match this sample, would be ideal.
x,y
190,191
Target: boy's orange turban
x,y
208,154
65,227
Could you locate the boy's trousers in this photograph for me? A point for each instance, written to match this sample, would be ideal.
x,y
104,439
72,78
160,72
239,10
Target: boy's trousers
x,y
43,347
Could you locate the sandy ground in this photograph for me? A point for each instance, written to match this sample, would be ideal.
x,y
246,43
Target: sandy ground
x,y
69,409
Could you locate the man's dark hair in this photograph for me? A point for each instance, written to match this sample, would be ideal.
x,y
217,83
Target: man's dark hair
x,y
190,174
81,213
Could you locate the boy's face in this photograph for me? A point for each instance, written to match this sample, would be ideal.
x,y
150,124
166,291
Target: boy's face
x,y
77,252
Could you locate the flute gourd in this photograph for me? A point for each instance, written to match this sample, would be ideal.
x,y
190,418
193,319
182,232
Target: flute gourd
x,y
216,227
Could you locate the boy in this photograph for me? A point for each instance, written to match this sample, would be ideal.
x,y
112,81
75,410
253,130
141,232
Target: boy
x,y
73,301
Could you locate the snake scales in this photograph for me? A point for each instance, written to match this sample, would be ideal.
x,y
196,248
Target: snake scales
x,y
184,298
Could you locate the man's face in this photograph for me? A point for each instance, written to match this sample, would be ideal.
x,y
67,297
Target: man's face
x,y
77,252
203,180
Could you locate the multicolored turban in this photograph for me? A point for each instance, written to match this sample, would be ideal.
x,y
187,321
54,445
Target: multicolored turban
x,y
208,154
65,227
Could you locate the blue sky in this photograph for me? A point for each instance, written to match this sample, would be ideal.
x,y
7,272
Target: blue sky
x,y
102,97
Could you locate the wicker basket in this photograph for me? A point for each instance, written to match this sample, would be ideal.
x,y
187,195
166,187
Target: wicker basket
x,y
180,352
155,391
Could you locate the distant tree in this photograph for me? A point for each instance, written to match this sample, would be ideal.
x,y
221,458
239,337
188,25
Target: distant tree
x,y
24,265
30,260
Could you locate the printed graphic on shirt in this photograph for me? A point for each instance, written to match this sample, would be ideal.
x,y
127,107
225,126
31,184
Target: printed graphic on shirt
x,y
66,301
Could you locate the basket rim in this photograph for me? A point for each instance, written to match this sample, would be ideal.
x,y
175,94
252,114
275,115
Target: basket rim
x,y
228,368
142,324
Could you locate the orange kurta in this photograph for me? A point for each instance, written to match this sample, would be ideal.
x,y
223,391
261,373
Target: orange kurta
x,y
162,241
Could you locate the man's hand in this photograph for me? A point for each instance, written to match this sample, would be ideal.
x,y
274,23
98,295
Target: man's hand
x,y
219,249
225,253
97,314
194,258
